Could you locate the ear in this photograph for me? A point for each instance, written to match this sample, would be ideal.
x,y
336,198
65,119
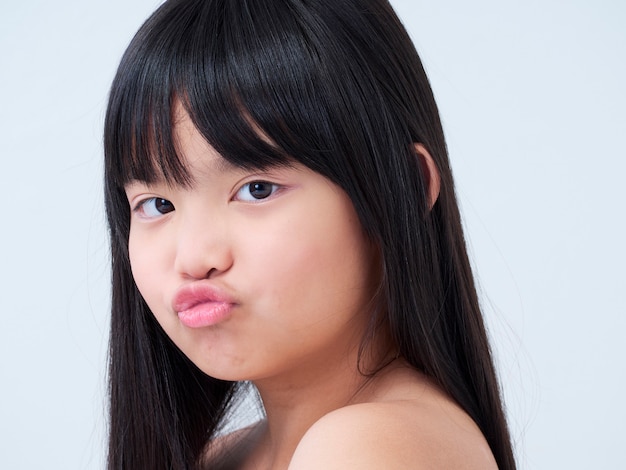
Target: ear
x,y
431,173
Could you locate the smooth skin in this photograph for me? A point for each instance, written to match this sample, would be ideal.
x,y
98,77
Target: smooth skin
x,y
285,245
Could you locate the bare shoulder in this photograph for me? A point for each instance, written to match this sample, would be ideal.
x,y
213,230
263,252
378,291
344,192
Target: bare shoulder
x,y
404,434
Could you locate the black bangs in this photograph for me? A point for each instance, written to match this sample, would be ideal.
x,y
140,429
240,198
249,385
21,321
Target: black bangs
x,y
265,83
246,78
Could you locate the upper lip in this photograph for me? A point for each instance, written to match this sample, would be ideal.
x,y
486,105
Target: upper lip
x,y
190,295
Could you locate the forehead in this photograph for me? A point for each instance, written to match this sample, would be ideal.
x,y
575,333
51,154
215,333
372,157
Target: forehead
x,y
195,153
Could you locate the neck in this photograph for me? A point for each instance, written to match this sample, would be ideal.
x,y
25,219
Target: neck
x,y
293,404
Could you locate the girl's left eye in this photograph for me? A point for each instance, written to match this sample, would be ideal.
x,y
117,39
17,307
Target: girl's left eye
x,y
256,191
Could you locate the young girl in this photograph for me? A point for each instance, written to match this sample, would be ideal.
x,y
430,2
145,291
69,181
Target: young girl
x,y
282,213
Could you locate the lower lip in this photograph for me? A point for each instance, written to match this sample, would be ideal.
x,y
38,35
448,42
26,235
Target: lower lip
x,y
205,314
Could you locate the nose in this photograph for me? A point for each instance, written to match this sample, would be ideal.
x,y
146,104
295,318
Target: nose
x,y
203,247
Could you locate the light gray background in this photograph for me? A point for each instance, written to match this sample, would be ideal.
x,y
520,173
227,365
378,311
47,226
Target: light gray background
x,y
532,98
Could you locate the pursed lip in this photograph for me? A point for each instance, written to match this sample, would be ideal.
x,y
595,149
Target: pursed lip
x,y
202,304
197,293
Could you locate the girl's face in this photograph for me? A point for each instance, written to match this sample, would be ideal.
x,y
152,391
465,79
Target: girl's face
x,y
252,274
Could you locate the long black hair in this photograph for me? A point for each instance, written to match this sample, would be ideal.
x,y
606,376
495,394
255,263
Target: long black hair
x,y
338,86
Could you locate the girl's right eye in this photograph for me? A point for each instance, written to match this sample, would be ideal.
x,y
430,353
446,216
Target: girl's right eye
x,y
153,207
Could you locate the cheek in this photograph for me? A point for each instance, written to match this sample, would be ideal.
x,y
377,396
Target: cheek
x,y
314,266
147,270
